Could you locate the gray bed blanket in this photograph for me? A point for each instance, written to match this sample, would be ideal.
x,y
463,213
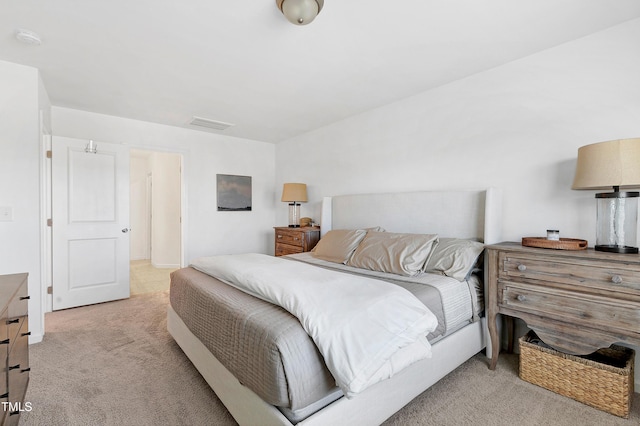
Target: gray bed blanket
x,y
263,345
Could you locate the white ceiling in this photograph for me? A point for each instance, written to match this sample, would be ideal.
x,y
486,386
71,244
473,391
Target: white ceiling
x,y
242,62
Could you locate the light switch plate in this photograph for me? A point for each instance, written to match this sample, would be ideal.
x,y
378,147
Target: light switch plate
x,y
6,214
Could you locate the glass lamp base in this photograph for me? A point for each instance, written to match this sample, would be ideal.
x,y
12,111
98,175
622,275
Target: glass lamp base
x,y
616,221
617,249
294,215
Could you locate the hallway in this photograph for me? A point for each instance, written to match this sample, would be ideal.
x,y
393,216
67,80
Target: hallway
x,y
145,278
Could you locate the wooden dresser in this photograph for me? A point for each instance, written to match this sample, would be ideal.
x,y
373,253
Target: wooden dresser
x,y
14,346
296,240
576,301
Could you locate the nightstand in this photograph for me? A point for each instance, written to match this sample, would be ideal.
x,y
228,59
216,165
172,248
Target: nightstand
x,y
296,240
576,301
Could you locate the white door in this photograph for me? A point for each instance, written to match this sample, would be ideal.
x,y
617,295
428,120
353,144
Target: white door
x,y
90,223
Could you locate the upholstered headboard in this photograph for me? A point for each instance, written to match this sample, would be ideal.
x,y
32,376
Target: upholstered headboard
x,y
471,214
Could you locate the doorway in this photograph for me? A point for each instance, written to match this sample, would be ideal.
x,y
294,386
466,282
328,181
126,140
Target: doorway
x,y
90,183
155,206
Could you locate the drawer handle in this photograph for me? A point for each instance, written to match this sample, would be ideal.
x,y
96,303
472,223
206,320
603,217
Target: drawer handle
x,y
522,267
521,298
24,370
5,395
13,321
616,279
14,367
4,342
13,413
28,333
25,297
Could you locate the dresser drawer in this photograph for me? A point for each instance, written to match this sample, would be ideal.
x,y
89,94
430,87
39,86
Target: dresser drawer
x,y
290,238
17,314
4,353
295,240
19,305
18,365
15,325
599,277
285,249
579,309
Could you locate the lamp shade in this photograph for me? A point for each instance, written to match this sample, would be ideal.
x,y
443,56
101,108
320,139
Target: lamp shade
x,y
292,192
605,165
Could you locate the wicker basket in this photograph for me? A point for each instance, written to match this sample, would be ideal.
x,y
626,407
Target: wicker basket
x,y
603,380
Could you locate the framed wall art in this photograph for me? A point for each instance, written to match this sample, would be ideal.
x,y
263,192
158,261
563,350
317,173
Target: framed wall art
x,y
234,193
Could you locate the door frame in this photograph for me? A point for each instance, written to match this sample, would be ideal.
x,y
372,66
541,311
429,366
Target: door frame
x,y
46,196
45,230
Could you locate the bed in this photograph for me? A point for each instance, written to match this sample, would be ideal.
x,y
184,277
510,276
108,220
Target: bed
x,y
470,215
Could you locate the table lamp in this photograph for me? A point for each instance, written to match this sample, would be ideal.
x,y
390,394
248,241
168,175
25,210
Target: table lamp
x,y
293,193
612,164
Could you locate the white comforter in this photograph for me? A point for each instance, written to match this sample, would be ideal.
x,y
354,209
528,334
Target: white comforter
x,y
366,329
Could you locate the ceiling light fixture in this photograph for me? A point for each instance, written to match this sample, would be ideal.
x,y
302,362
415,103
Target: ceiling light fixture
x,y
28,37
300,12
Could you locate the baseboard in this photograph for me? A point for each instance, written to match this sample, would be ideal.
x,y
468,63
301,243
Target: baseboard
x,y
163,265
35,338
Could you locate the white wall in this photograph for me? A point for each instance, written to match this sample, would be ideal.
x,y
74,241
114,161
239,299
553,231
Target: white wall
x,y
165,208
139,219
156,228
22,103
517,127
206,231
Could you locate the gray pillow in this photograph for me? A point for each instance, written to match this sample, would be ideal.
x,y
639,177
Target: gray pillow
x,y
402,254
454,257
337,245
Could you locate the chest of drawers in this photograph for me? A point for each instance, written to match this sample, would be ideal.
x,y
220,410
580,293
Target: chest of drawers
x,y
14,346
295,240
576,301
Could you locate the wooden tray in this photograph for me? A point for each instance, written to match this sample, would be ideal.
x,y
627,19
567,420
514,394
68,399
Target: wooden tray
x,y
563,244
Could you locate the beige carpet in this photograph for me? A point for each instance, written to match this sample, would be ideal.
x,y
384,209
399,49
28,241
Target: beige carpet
x,y
115,364
145,278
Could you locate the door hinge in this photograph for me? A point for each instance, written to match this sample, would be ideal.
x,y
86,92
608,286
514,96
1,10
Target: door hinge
x,y
49,154
50,289
49,222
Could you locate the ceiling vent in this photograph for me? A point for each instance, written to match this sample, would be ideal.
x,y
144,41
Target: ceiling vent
x,y
209,124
